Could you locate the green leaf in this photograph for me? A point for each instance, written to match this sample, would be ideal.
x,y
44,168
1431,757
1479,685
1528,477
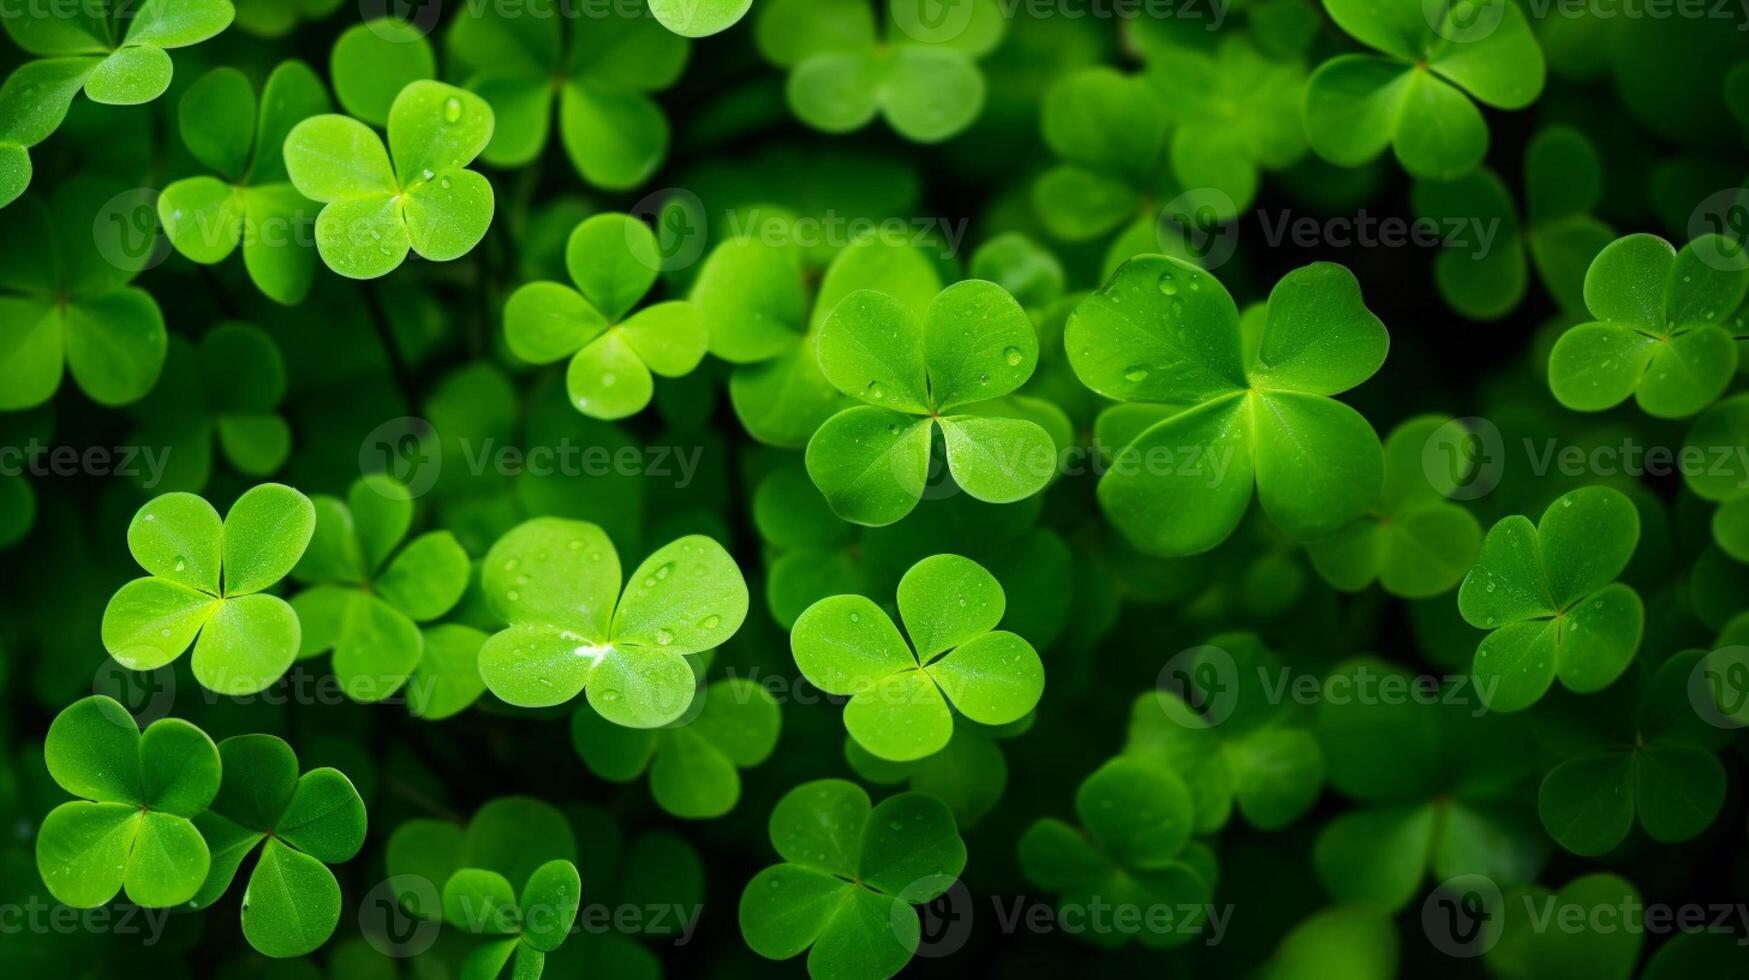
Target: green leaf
x,y
265,534
216,118
292,904
372,62
870,463
699,18
93,751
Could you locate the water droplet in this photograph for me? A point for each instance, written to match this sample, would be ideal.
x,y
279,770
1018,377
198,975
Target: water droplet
x,y
1168,284
875,390
610,695
574,545
181,564
710,622
513,595
452,109
608,379
1136,375
164,633
444,183
856,617
427,174
662,573
1012,356
511,563
663,638
151,517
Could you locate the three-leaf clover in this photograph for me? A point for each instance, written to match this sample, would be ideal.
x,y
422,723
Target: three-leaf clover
x,y
251,201
1646,755
65,302
922,78
1110,131
524,928
138,790
228,390
368,594
292,902
557,583
206,584
613,261
1547,594
78,47
1236,406
974,344
755,299
1658,330
901,692
1724,426
426,200
518,60
1415,543
1133,850
1227,739
1481,269
850,875
1416,98
695,764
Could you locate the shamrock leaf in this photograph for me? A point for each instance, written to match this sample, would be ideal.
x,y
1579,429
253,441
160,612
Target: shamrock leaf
x,y
511,837
1262,758
1547,594
1588,948
1717,435
1110,131
968,775
226,391
518,60
1237,111
1416,543
369,594
1438,782
613,261
206,584
1482,264
137,791
524,928
79,48
755,299
693,764
1650,757
557,583
812,554
426,201
1658,331
973,344
292,902
372,62
850,875
251,201
699,18
922,78
1132,851
65,302
1416,98
900,692
1230,407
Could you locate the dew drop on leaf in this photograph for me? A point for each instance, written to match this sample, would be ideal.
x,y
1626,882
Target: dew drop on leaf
x,y
1136,375
875,391
452,109
664,638
1012,356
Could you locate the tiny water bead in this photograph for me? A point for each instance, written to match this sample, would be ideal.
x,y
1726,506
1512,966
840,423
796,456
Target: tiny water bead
x,y
874,390
452,110
664,637
1136,374
1012,356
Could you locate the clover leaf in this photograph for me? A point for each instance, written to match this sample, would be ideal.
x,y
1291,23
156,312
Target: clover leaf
x,y
65,302
518,59
368,594
763,316
1438,786
1417,97
1233,407
1547,594
292,902
850,874
425,201
372,62
922,78
699,18
968,775
1237,111
1658,331
811,553
1482,264
693,764
226,391
524,928
974,344
1132,850
1110,131
901,692
251,201
1651,757
511,837
78,48
557,583
613,262
1415,543
1262,757
137,791
276,18
206,584
1725,478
